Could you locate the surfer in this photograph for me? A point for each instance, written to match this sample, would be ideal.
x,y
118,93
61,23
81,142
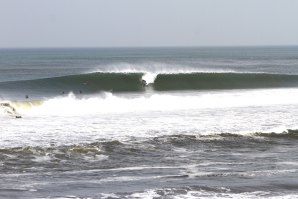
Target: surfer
x,y
10,110
4,104
144,83
26,96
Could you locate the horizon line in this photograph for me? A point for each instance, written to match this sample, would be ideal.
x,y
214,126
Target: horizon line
x,y
145,47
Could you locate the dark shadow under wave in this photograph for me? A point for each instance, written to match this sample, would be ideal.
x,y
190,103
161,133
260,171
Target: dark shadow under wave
x,y
129,82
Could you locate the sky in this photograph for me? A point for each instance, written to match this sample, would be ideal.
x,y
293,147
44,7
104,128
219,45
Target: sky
x,y
141,23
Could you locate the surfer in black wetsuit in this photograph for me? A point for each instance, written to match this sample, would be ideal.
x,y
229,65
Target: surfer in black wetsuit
x,y
144,83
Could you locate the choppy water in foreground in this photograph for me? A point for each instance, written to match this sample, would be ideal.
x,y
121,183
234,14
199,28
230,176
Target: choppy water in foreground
x,y
149,123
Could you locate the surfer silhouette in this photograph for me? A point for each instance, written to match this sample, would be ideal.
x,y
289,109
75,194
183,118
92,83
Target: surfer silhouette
x,y
144,83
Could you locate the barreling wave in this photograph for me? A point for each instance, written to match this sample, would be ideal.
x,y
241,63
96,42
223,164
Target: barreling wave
x,y
127,82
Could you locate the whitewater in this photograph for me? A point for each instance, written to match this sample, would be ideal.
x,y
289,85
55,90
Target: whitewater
x,y
149,123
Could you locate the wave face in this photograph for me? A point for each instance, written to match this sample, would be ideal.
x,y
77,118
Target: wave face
x,y
205,81
126,82
86,82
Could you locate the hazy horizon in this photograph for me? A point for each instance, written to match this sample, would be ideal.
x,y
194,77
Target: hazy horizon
x,y
146,47
140,23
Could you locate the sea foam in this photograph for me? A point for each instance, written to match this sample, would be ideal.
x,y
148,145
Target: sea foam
x,y
110,103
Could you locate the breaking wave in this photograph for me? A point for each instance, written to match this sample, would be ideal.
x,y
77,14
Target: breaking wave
x,y
138,81
107,102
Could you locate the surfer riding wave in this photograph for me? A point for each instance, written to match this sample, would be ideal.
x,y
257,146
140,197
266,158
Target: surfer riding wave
x,y
9,109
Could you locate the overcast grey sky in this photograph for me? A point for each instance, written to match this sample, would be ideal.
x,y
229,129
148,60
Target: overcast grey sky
x,y
106,23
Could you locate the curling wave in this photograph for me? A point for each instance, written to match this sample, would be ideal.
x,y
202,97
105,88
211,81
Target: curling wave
x,y
128,82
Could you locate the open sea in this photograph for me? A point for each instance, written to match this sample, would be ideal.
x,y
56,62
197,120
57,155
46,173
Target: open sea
x,y
173,123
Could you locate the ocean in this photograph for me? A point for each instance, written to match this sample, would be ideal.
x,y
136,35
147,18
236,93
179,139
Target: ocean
x,y
174,123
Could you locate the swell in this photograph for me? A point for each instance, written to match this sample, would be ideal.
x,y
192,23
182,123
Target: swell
x,y
126,82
